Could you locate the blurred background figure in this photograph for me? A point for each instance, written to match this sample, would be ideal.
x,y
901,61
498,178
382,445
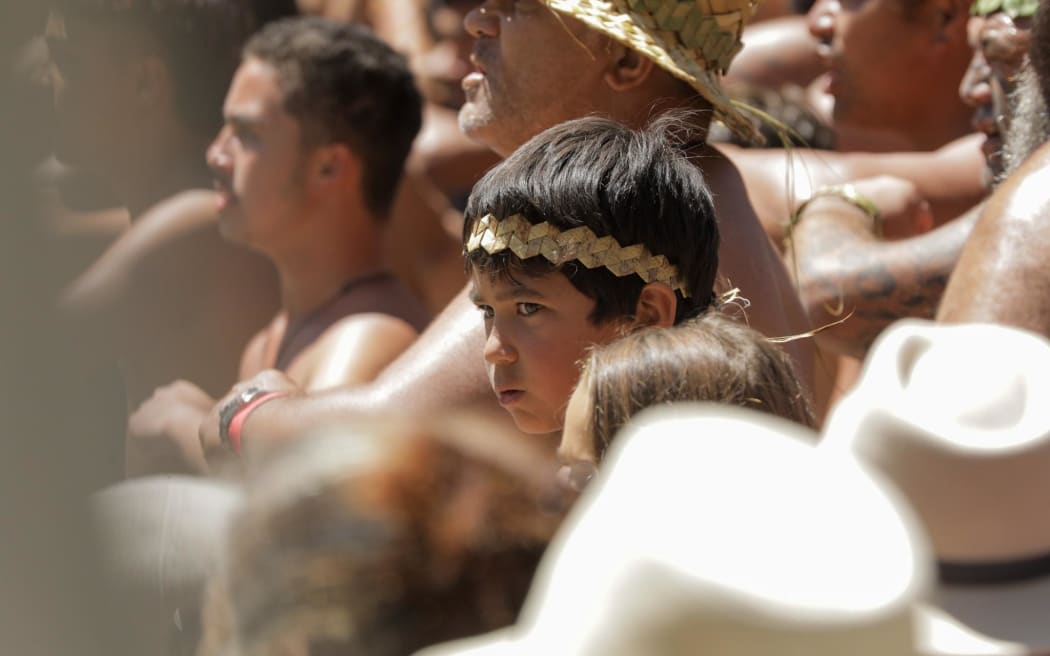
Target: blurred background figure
x,y
384,538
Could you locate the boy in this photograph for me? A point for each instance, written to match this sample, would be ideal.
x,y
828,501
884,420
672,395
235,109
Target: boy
x,y
587,231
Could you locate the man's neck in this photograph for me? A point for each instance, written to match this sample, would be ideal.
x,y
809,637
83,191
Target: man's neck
x,y
316,270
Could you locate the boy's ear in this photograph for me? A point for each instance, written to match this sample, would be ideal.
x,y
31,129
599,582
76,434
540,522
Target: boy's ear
x,y
656,306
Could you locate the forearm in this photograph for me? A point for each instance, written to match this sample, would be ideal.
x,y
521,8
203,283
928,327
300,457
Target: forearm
x,y
442,370
857,285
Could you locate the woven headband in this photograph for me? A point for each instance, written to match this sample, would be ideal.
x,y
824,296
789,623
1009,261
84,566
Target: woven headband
x,y
1012,8
516,234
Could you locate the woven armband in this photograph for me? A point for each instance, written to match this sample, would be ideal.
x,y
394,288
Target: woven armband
x,y
848,193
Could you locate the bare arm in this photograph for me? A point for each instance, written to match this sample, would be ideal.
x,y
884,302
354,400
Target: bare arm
x,y
1003,276
844,269
442,370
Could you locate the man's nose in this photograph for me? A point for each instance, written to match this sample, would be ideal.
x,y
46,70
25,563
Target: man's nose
x,y
217,155
821,19
482,20
975,90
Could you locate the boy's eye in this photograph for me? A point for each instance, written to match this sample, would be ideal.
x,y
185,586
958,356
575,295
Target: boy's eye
x,y
486,311
526,309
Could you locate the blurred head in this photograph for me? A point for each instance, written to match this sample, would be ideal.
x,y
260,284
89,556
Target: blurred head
x,y
893,65
129,67
318,108
1000,47
632,241
25,90
443,67
711,358
386,539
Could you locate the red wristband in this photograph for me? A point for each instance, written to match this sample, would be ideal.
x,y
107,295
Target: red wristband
x,y
241,416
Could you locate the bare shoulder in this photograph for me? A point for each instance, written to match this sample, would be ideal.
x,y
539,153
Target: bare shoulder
x,y
353,351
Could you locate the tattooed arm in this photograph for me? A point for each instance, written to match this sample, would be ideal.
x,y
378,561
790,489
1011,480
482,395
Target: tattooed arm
x,y
844,269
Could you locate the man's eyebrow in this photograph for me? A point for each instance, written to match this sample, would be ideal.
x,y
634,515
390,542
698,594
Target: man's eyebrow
x,y
241,120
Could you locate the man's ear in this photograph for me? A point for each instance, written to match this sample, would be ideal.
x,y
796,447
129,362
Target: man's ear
x,y
627,69
657,305
153,84
335,162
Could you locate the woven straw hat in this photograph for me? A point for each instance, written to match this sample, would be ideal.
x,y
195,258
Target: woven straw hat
x,y
695,40
719,530
957,417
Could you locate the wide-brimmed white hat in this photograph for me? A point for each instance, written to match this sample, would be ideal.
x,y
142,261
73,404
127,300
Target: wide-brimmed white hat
x,y
161,539
694,40
719,530
958,417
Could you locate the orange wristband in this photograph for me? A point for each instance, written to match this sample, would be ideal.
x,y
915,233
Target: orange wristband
x,y
241,416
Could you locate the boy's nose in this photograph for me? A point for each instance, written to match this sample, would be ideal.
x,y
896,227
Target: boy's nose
x,y
498,350
821,20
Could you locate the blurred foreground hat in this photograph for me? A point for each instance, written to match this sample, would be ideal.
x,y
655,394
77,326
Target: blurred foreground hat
x,y
162,538
958,417
719,530
694,40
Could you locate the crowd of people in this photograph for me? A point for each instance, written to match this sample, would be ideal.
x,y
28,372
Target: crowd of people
x,y
507,327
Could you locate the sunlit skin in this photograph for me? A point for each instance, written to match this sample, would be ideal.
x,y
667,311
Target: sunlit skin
x,y
537,329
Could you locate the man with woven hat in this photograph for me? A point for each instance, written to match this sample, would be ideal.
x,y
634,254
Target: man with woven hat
x,y
956,417
717,530
540,64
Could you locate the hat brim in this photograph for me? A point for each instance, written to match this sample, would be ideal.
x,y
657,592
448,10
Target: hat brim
x,y
1012,618
615,19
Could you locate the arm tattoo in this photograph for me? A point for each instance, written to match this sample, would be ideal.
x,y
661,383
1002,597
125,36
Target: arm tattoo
x,y
844,269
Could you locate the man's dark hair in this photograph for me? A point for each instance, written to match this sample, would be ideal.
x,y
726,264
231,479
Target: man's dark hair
x,y
200,40
634,185
343,84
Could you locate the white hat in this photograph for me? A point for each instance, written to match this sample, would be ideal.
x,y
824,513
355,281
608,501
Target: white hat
x,y
723,530
162,538
958,418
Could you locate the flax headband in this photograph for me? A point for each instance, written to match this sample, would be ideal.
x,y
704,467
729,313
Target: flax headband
x,y
526,240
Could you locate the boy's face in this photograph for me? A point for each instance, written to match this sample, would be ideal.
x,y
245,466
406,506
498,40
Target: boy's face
x,y
537,330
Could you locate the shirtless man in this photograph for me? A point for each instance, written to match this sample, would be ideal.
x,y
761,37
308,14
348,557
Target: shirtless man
x,y
842,261
140,86
319,119
536,66
1002,275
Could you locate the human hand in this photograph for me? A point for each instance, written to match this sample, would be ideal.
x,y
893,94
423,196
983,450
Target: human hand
x,y
162,432
903,212
209,437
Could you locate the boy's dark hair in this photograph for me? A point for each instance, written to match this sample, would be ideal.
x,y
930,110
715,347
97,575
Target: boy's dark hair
x,y
634,185
200,41
345,85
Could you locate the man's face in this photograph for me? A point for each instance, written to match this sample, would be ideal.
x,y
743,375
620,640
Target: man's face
x,y
878,61
533,69
257,159
95,62
537,331
1000,46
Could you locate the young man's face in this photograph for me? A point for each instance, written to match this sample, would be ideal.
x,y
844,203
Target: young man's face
x,y
537,331
879,59
257,159
533,69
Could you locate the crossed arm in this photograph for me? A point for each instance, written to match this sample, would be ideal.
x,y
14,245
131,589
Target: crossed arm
x,y
848,275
